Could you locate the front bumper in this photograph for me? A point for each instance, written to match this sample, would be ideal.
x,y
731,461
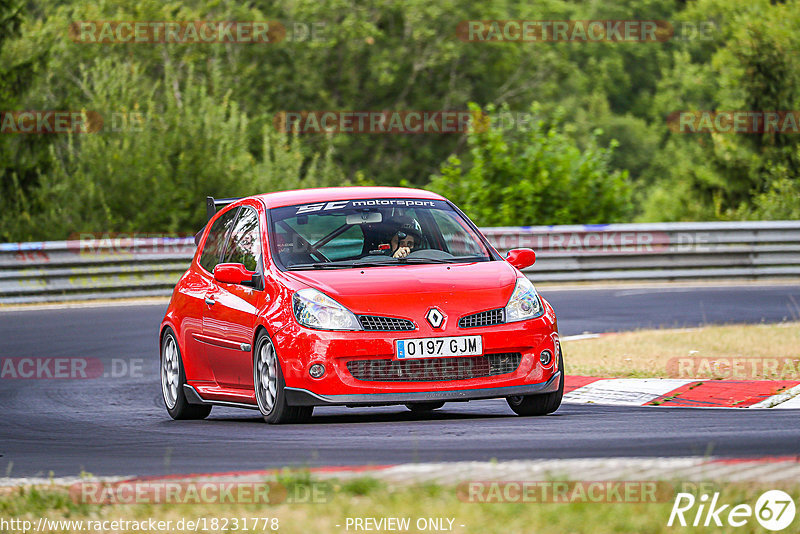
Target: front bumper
x,y
303,397
299,348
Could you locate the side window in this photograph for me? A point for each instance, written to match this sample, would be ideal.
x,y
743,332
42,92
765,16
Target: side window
x,y
212,250
244,246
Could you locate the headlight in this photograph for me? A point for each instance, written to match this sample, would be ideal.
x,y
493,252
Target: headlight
x,y
315,309
524,302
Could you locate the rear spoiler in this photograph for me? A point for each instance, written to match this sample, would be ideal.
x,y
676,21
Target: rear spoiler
x,y
215,204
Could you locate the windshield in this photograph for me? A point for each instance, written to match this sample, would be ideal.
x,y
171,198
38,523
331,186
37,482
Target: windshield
x,y
372,232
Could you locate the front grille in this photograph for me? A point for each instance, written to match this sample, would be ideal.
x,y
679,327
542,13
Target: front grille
x,y
384,324
485,318
434,369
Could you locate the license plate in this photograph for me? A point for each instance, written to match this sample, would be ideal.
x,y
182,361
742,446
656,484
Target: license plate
x,y
434,347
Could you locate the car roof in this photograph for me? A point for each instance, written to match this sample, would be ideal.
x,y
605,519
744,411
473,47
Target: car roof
x,y
330,194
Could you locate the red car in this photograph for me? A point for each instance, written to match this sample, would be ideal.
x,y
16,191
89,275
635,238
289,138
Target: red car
x,y
354,296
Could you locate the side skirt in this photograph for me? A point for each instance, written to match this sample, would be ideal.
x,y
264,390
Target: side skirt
x,y
193,397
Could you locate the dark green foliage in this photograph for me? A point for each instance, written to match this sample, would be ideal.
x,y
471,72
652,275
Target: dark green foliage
x,y
536,176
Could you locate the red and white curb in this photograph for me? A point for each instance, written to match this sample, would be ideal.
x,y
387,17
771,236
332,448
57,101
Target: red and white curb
x,y
698,393
692,469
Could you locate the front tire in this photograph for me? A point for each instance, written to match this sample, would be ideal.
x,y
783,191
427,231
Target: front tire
x,y
544,404
270,386
173,378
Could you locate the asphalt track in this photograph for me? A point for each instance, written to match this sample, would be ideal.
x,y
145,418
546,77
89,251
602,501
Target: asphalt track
x,y
109,426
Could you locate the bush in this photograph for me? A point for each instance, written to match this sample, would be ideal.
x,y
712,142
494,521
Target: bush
x,y
154,172
539,176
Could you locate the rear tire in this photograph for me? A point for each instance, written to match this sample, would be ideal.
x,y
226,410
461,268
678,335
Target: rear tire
x,y
422,407
172,380
544,404
270,386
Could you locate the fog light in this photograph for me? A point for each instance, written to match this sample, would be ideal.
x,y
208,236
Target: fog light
x,y
546,357
316,370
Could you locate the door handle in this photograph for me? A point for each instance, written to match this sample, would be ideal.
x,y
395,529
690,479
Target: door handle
x,y
210,301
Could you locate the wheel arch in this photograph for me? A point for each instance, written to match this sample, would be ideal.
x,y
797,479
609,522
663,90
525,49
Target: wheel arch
x,y
168,324
257,332
282,360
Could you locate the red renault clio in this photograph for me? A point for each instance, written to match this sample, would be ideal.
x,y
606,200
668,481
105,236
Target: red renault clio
x,y
354,296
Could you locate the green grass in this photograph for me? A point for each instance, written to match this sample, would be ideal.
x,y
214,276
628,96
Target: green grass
x,y
709,350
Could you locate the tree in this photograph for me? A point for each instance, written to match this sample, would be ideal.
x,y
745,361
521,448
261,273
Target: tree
x,y
151,166
538,176
750,65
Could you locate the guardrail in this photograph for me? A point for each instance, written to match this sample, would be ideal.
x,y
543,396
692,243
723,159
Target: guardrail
x,y
54,271
77,270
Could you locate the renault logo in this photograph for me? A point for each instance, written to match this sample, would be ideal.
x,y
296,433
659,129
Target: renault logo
x,y
435,317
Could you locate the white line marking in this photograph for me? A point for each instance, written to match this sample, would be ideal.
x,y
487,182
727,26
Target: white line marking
x,y
788,399
579,337
547,287
624,391
103,304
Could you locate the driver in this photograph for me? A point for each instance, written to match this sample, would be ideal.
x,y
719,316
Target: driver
x,y
406,237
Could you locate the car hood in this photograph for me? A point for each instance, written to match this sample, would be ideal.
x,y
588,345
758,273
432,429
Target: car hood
x,y
410,290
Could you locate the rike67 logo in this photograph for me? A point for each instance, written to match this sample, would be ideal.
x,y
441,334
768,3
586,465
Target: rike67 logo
x,y
774,510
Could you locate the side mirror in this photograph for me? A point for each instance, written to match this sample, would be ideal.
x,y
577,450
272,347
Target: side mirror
x,y
233,273
521,257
